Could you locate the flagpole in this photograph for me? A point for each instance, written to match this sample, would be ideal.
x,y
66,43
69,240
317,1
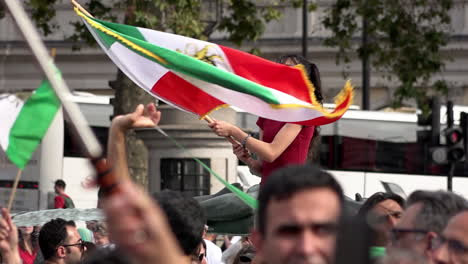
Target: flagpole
x,y
77,5
84,133
13,190
53,52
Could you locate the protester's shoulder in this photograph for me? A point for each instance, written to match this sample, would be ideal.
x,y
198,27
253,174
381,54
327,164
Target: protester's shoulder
x,y
212,246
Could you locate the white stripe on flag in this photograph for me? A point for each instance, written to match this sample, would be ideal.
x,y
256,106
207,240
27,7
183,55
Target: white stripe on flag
x,y
10,106
255,105
187,46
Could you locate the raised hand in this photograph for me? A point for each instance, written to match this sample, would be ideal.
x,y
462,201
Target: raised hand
x,y
141,118
8,239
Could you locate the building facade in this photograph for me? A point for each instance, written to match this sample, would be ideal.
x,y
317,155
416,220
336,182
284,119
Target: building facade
x,y
89,70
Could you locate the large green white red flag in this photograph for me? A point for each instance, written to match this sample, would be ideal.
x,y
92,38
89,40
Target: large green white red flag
x,y
199,77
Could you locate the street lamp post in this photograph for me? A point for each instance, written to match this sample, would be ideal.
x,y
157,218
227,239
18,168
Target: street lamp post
x,y
211,11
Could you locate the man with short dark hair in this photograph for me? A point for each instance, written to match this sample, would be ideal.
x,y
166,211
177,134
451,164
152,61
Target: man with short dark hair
x,y
186,219
298,214
62,200
426,215
60,242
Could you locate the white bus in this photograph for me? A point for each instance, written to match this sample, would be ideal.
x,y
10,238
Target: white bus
x,y
365,148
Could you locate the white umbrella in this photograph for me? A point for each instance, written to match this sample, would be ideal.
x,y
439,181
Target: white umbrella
x,y
43,216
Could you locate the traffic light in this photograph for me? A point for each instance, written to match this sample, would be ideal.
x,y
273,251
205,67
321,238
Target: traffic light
x,y
455,144
456,140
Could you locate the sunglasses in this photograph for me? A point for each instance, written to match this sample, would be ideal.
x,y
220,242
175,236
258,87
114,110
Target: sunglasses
x,y
454,246
245,259
398,233
80,244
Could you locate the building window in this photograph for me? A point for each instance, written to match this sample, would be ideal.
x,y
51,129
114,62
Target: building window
x,y
185,175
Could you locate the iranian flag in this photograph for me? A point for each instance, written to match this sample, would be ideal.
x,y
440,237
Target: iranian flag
x,y
199,77
24,123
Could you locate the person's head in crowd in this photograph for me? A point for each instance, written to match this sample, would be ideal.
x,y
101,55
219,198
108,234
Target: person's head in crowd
x,y
186,219
85,234
298,212
452,246
246,255
382,212
28,235
59,186
201,259
425,217
60,242
101,236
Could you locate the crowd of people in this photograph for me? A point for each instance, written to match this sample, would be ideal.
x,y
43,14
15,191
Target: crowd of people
x,y
301,215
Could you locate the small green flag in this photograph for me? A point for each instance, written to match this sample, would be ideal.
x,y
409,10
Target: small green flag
x,y
23,124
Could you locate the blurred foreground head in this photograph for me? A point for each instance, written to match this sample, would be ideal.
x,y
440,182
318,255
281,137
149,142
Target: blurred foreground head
x,y
298,214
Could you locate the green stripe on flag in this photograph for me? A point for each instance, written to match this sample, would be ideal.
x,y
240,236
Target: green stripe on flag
x,y
31,124
192,67
125,29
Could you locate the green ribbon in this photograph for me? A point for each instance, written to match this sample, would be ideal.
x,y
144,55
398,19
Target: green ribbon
x,y
247,199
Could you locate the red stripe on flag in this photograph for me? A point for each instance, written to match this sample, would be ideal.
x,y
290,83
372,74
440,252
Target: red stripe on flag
x,y
323,120
274,75
178,91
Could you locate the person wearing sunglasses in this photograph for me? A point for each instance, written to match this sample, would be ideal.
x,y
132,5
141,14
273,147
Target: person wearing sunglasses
x,y
424,219
200,258
452,246
246,255
61,243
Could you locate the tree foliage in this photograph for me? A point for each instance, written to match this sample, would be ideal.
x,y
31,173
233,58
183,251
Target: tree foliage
x,y
241,20
405,40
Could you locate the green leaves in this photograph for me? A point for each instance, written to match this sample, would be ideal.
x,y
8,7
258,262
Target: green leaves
x,y
405,40
42,12
242,20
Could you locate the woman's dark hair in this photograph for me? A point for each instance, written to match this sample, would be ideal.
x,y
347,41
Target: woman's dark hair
x,y
314,76
311,69
34,239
